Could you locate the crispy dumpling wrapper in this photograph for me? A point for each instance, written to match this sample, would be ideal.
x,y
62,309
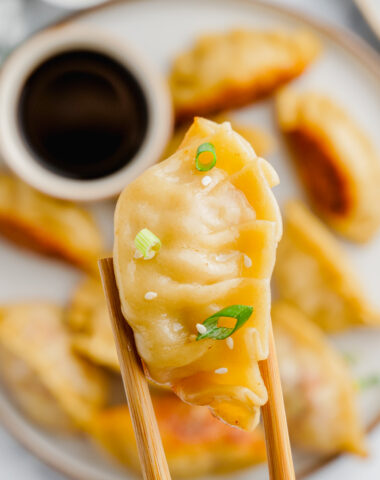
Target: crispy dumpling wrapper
x,y
318,390
43,373
53,227
336,162
313,273
207,234
90,326
195,442
230,69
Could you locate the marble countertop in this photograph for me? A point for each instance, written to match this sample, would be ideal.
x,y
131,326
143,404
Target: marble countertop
x,y
18,18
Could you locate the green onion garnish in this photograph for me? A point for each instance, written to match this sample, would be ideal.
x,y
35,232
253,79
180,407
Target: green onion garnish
x,y
349,358
240,312
204,148
368,382
147,244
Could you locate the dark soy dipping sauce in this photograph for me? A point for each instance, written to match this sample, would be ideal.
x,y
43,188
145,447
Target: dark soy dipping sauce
x,y
83,114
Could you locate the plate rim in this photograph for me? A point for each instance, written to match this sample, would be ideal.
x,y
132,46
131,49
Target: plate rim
x,y
349,41
365,8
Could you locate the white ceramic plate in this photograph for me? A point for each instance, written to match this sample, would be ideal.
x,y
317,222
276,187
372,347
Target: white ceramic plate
x,y
347,70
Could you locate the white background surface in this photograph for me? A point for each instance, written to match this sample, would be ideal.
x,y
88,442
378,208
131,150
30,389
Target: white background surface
x,y
16,463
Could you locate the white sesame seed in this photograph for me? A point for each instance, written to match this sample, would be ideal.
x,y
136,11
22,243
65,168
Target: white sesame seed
x,y
223,257
137,254
150,295
230,343
201,328
206,180
177,327
221,371
247,261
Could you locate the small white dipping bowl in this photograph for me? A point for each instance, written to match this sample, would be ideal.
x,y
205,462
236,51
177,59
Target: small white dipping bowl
x,y
18,155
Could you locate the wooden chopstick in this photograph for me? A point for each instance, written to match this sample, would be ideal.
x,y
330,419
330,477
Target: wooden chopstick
x,y
280,461
151,452
149,444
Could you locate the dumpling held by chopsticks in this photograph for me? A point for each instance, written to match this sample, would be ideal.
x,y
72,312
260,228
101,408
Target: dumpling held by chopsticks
x,y
195,243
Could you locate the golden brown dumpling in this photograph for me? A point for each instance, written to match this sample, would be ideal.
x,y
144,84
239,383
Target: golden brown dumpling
x,y
230,69
47,225
318,390
49,383
195,442
313,273
335,161
90,326
218,249
261,141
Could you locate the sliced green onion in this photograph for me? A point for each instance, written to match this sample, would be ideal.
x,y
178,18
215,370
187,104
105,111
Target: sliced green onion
x,y
368,382
204,148
350,358
240,312
147,243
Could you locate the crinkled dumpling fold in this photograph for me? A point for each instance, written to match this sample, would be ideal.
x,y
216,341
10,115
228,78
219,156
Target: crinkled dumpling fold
x,y
46,378
313,273
229,69
318,390
90,326
261,140
218,249
336,162
195,442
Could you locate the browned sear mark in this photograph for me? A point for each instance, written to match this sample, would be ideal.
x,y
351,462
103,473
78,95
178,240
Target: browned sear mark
x,y
325,183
